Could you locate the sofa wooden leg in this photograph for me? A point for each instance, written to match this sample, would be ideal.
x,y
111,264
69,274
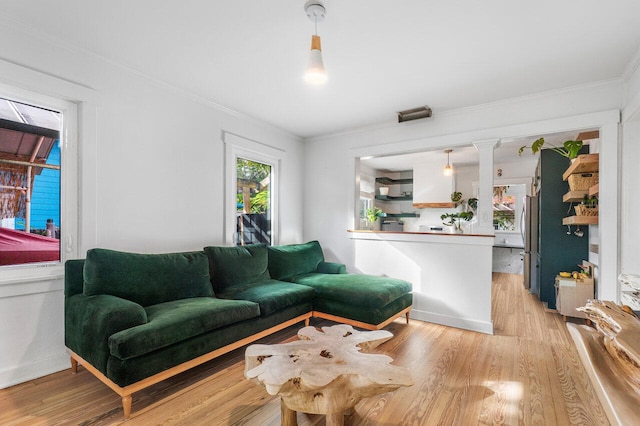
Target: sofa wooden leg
x,y
407,315
306,322
74,365
126,406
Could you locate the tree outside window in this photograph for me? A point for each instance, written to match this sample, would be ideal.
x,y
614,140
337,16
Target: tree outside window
x,y
253,202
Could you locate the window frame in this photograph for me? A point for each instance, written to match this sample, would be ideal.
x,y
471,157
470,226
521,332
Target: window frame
x,y
77,105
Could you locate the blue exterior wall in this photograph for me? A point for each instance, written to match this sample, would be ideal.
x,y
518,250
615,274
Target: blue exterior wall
x,y
45,199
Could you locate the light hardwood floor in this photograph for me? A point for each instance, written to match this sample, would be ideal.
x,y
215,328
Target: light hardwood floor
x,y
527,373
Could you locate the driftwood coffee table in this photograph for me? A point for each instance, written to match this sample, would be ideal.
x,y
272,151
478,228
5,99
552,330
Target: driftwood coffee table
x,y
325,372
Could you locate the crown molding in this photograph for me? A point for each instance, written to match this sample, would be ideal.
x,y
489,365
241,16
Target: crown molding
x,y
46,38
468,110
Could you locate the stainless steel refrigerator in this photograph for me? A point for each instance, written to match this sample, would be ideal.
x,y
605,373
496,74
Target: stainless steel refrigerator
x,y
529,230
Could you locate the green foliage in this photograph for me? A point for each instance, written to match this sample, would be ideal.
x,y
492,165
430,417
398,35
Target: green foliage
x,y
503,220
453,219
260,202
456,196
252,170
374,213
473,203
569,149
590,201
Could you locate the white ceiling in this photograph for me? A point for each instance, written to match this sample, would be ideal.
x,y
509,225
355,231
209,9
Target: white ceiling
x,y
382,56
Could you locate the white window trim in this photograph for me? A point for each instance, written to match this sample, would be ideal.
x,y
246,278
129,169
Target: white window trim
x,y
235,147
77,179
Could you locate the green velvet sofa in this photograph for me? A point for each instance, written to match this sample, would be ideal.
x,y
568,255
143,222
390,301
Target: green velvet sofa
x,y
134,320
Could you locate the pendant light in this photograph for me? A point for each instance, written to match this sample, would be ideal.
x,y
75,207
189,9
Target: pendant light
x,y
315,73
448,170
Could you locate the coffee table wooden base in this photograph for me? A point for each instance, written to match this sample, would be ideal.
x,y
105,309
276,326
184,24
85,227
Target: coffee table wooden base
x,y
325,372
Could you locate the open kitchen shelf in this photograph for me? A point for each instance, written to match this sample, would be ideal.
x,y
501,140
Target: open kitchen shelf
x,y
580,220
388,181
585,163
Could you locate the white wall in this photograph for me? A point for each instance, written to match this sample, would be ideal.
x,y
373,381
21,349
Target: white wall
x,y
157,186
329,165
630,176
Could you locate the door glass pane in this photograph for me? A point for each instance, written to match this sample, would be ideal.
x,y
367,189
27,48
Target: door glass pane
x,y
253,202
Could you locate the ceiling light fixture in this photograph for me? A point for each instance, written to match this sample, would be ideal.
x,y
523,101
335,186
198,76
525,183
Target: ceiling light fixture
x,y
448,170
315,74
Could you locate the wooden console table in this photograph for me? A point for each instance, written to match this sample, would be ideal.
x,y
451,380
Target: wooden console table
x,y
611,357
325,372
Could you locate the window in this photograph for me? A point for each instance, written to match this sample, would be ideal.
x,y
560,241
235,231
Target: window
x,y
30,177
253,216
251,191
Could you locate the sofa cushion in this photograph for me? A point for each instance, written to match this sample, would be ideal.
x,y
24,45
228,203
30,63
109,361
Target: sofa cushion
x,y
230,266
271,295
146,279
368,291
178,320
290,261
364,314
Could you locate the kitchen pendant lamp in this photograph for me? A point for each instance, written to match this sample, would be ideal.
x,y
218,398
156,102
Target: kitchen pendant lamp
x,y
448,170
315,73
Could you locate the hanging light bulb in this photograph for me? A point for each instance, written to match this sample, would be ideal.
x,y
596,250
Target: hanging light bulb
x,y
448,170
315,73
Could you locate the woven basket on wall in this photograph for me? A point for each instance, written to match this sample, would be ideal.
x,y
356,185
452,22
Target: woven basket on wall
x,y
582,181
586,210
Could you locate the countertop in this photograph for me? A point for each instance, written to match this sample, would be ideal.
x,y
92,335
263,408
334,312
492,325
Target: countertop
x,y
509,246
446,234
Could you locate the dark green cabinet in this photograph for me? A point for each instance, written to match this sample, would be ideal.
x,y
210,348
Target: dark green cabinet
x,y
559,249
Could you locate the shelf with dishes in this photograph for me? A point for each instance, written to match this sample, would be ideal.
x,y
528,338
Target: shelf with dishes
x,y
582,176
399,195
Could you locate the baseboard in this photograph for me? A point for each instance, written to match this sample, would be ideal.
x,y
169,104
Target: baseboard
x,y
457,322
22,373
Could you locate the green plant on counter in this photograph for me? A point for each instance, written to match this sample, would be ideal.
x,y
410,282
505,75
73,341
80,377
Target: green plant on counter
x,y
569,149
374,213
453,219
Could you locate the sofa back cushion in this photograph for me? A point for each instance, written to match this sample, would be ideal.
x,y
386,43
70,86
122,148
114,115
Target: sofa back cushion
x,y
290,261
147,279
229,266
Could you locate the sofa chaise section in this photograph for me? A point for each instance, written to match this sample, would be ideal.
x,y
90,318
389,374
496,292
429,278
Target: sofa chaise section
x,y
364,301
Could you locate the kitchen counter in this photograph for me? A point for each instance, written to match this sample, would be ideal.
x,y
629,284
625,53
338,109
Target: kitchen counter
x,y
414,235
509,246
451,273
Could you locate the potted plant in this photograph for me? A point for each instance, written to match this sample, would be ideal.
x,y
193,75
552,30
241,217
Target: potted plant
x,y
453,219
373,214
569,149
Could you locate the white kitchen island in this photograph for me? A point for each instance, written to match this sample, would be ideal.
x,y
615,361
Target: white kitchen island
x,y
451,273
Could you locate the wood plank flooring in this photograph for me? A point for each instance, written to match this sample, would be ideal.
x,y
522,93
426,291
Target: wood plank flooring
x,y
527,373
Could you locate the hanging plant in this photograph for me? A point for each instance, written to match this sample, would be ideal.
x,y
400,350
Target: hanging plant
x,y
569,149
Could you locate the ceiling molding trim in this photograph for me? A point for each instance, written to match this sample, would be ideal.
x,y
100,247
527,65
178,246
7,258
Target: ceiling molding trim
x,y
632,67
